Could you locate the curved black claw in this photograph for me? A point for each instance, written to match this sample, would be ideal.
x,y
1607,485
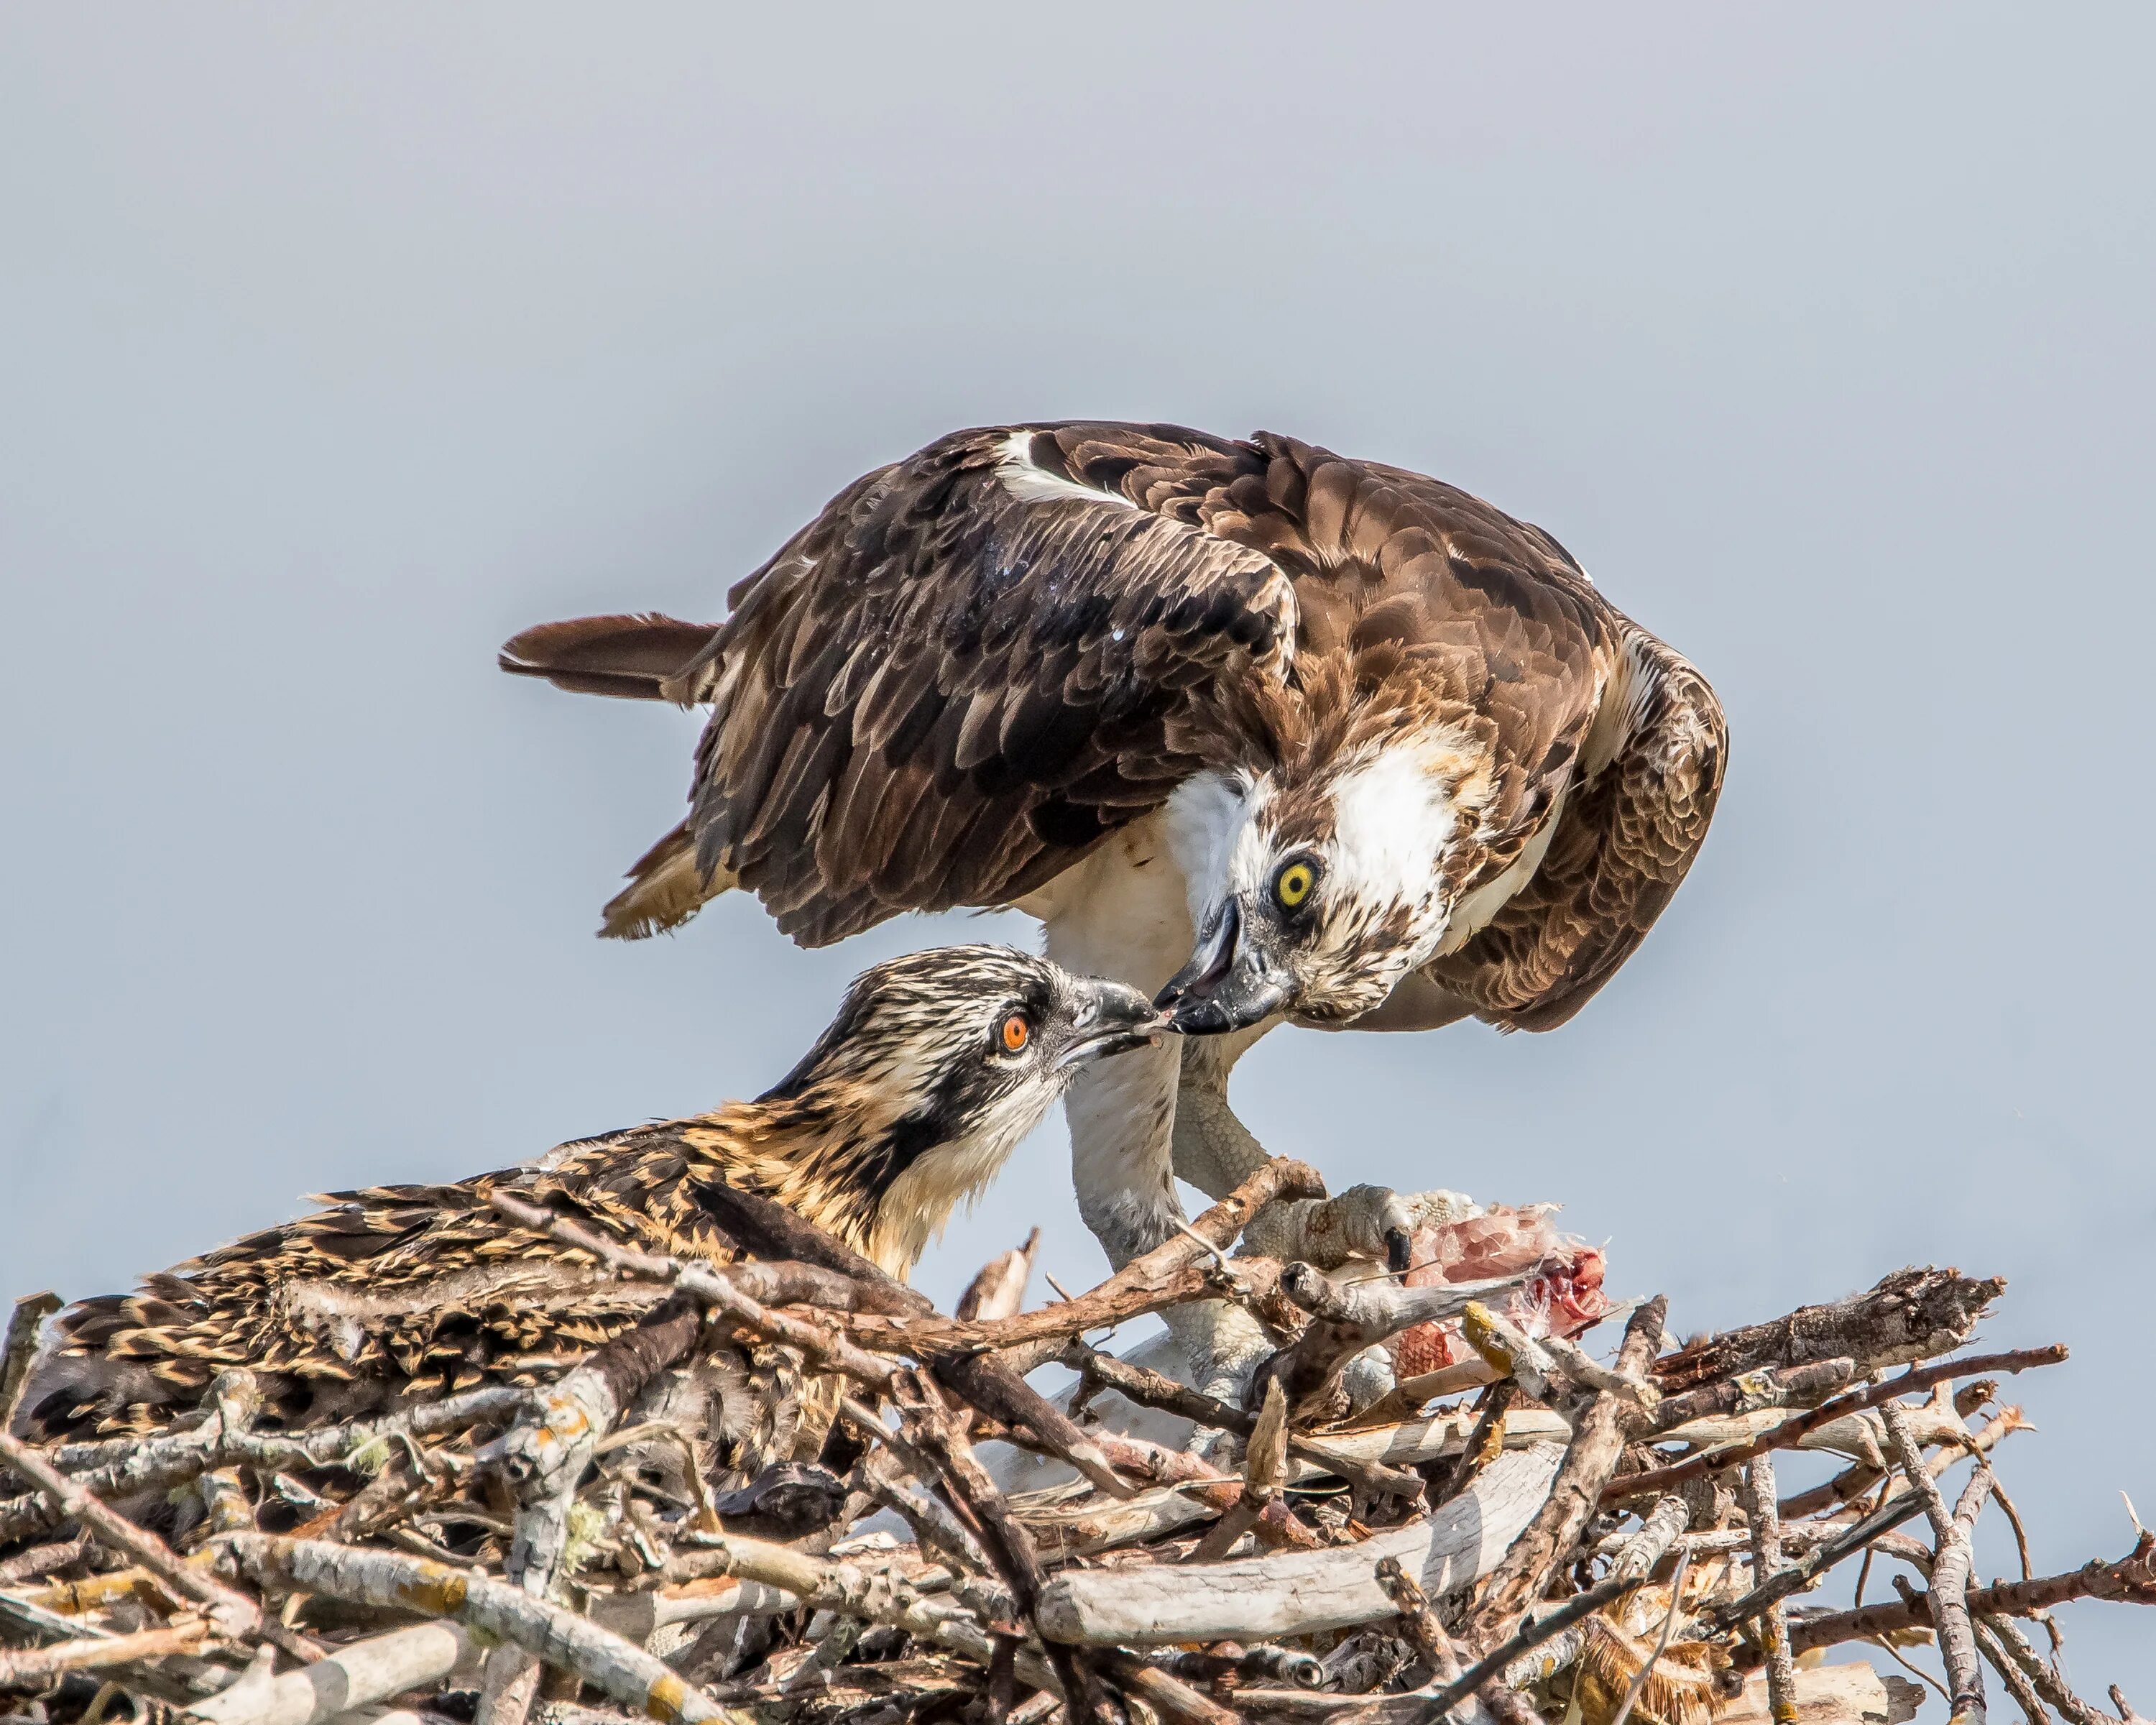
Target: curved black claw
x,y
1397,1244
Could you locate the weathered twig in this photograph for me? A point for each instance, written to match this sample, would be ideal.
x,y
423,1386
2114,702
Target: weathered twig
x,y
546,1454
1799,1574
1525,1639
1801,1386
624,1672
1166,1275
1343,1453
1950,1568
996,1386
827,1347
2131,1577
1853,1482
1764,1525
30,1667
352,1676
1264,1461
122,1468
1598,1444
1302,1592
1349,1317
1910,1314
999,1291
1790,1431
233,1613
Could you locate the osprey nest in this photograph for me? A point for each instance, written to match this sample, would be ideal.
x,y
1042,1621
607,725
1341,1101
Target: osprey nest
x,y
1516,1531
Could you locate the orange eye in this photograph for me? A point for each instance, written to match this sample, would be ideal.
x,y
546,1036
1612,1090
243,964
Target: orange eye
x,y
1017,1033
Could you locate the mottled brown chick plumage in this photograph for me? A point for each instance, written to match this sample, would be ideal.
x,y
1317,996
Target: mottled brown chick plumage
x,y
936,1066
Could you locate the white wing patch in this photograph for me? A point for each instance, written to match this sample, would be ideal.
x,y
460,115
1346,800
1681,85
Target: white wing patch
x,y
1022,479
1020,475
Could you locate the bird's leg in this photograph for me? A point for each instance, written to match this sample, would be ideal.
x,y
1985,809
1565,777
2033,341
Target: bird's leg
x,y
1215,1152
1122,1114
1124,912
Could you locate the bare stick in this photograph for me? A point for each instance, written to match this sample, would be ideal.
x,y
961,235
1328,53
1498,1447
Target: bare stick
x,y
997,1387
30,1667
356,1675
1303,1592
1909,1315
1856,1480
1347,1319
827,1348
1264,1460
999,1291
1766,1531
2049,1685
233,1614
1803,1386
622,1671
1799,1575
1598,1444
1526,1639
1164,1276
1950,1568
1634,1689
1153,1389
1783,1436
123,1468
2016,1681
2131,1579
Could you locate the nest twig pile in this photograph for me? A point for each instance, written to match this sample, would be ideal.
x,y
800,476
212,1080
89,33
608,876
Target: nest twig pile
x,y
1525,1533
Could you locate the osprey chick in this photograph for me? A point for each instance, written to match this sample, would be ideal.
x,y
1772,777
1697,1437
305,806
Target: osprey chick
x,y
1295,736
936,1066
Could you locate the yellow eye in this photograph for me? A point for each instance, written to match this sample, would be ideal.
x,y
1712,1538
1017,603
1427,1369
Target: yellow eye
x,y
1016,1032
1293,885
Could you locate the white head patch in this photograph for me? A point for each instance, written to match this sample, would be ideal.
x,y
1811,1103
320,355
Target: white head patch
x,y
1393,819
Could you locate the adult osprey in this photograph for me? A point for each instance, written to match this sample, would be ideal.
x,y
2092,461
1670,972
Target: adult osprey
x,y
1293,735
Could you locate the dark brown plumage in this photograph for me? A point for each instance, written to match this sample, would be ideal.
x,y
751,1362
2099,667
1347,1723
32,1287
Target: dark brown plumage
x,y
974,664
905,1108
1347,745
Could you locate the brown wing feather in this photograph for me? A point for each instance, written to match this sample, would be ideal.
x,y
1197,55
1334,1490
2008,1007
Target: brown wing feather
x,y
943,693
1622,846
394,1292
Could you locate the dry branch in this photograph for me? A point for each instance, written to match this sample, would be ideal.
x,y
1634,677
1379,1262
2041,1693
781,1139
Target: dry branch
x,y
1300,1593
1598,1444
356,1676
1487,1550
2131,1579
624,1672
1910,1315
1793,1430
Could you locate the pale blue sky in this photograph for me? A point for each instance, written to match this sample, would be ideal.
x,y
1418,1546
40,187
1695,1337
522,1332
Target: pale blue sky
x,y
338,342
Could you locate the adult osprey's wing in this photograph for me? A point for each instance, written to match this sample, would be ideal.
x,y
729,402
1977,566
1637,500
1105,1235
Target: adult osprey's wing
x,y
958,677
1649,777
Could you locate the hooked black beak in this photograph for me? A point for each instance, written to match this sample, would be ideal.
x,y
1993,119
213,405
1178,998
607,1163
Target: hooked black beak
x,y
1229,984
1112,1019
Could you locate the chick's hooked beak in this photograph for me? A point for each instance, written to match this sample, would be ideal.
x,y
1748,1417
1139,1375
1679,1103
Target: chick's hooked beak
x,y
1231,982
1111,1019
